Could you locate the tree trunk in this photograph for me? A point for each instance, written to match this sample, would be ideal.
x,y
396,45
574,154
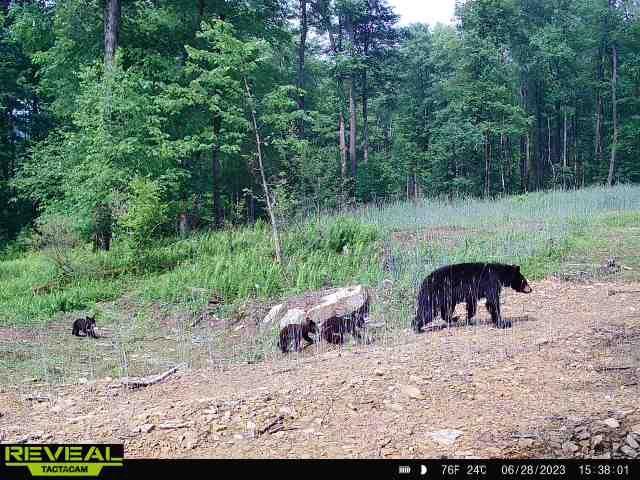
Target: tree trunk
x,y
502,162
614,113
365,118
301,54
103,214
599,112
343,153
529,161
265,186
353,132
564,145
218,214
564,153
111,30
487,165
540,163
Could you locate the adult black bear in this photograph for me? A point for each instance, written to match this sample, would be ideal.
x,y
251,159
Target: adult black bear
x,y
85,325
292,335
445,287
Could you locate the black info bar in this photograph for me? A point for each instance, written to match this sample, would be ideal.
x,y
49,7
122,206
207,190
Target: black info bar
x,y
111,462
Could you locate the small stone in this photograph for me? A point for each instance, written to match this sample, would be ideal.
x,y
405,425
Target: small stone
x,y
412,392
147,427
630,452
604,456
583,435
597,440
287,412
611,423
525,442
632,442
379,373
445,437
570,447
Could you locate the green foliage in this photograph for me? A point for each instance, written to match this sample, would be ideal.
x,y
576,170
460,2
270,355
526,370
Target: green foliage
x,y
145,213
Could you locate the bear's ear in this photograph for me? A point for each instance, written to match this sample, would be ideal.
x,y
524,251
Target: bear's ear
x,y
517,268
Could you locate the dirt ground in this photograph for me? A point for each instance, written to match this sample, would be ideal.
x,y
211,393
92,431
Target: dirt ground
x,y
573,351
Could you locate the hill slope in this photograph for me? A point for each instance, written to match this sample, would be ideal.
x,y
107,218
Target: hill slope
x,y
508,392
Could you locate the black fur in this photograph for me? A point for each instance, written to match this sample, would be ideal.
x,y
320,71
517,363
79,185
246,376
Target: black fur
x,y
292,335
445,287
85,325
333,329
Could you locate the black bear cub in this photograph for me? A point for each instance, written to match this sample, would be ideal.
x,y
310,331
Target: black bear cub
x,y
335,329
292,335
85,325
445,287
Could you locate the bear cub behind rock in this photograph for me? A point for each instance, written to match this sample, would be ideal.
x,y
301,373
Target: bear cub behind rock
x,y
292,335
445,287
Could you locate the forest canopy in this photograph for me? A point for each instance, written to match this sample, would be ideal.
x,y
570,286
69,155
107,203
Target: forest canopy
x,y
160,118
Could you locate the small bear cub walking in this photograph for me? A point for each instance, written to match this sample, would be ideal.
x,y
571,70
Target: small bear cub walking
x,y
445,287
85,325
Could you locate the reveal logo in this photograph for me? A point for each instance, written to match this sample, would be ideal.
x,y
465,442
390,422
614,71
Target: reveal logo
x,y
63,460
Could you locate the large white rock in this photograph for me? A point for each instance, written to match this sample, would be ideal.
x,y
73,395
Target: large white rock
x,y
275,314
292,317
341,303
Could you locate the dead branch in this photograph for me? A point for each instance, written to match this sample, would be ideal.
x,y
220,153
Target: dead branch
x,y
617,292
37,398
138,382
611,369
277,423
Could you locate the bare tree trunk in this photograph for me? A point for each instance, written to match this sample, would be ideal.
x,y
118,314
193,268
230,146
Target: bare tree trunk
x,y
343,152
365,118
614,105
564,152
564,146
599,113
218,214
301,53
487,165
502,162
529,160
103,215
353,132
265,186
111,30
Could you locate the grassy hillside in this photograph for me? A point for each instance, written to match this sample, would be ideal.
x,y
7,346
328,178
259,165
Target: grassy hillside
x,y
146,302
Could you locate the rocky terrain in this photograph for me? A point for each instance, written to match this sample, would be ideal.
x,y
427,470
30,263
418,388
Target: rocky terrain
x,y
563,382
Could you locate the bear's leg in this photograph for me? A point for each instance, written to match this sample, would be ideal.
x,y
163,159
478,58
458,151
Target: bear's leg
x,y
496,317
472,304
446,311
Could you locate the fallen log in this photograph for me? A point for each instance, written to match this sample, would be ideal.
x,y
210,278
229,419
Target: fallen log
x,y
137,382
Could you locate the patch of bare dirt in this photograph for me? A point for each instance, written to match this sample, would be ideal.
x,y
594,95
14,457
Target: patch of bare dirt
x,y
503,391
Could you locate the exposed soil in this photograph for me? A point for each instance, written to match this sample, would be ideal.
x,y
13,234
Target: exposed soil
x,y
573,351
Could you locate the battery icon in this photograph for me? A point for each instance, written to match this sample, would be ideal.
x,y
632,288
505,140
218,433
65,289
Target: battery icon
x,y
404,469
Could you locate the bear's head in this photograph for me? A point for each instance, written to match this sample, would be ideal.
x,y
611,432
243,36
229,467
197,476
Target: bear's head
x,y
518,282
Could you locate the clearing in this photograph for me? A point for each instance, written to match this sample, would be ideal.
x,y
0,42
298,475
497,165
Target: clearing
x,y
573,355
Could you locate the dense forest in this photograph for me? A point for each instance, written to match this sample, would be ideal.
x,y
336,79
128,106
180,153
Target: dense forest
x,y
164,117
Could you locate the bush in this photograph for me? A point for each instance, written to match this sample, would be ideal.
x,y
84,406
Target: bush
x,y
145,213
332,236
